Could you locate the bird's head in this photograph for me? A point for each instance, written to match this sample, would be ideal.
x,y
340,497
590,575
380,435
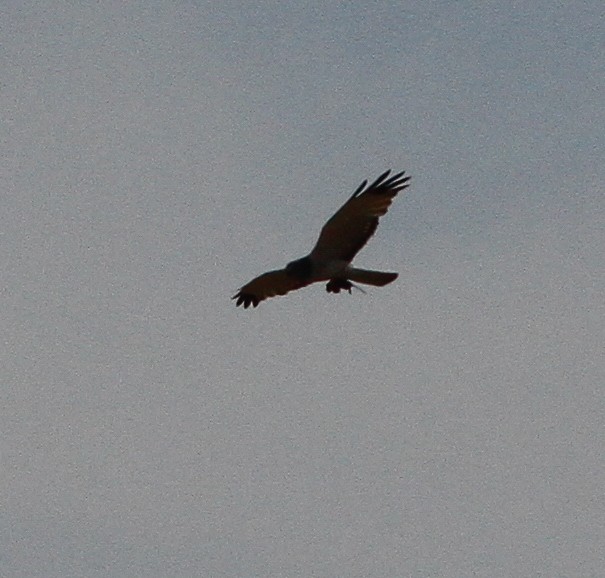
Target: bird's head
x,y
299,269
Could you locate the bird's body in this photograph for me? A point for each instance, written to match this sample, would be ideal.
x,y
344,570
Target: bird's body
x,y
317,269
341,238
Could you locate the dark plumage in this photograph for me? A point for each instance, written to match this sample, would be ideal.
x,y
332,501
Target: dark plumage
x,y
341,238
300,269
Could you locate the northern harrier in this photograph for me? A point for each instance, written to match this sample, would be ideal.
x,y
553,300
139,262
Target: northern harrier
x,y
340,240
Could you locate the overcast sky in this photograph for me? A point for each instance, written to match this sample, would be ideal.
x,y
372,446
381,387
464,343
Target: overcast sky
x,y
158,155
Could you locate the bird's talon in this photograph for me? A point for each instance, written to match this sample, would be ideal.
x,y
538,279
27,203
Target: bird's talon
x,y
336,285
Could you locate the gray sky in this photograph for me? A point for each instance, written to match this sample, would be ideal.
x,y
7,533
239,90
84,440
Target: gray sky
x,y
158,155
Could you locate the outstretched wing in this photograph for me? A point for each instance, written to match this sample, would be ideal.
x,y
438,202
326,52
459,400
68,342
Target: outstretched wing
x,y
355,222
267,285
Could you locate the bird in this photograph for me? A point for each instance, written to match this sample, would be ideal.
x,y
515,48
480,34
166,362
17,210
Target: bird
x,y
341,238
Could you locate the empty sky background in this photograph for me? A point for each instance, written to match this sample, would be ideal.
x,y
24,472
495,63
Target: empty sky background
x,y
158,155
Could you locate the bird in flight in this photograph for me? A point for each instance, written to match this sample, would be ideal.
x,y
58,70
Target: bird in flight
x,y
341,238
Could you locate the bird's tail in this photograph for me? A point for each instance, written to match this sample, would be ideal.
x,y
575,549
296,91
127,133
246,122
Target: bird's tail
x,y
376,278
